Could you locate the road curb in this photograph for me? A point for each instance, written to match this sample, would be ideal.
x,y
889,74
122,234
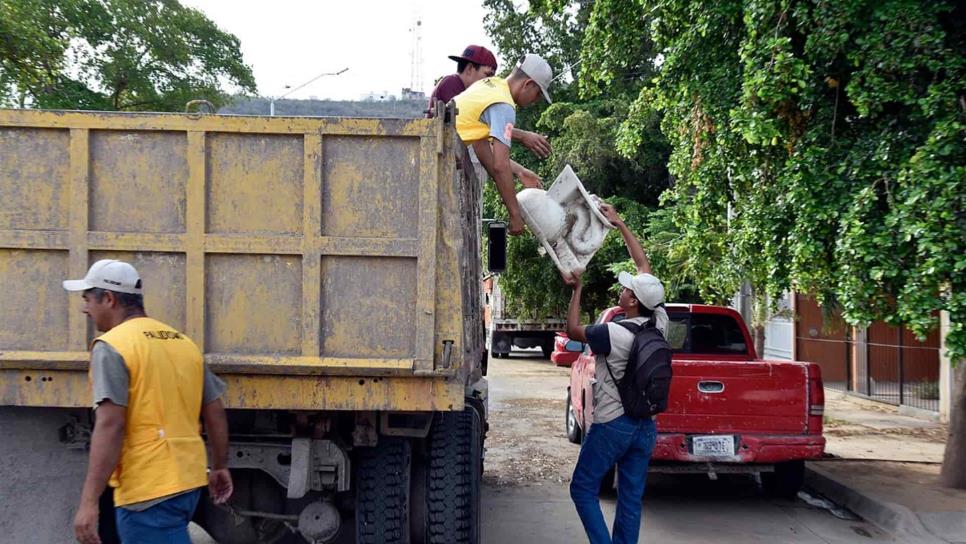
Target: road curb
x,y
888,516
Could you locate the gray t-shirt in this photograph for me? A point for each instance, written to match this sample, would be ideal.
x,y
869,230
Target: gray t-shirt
x,y
611,344
111,381
500,117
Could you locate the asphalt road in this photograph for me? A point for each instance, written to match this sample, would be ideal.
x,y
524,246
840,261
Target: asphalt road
x,y
526,397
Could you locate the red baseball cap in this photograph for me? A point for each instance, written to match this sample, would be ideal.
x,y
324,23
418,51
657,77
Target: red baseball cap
x,y
477,54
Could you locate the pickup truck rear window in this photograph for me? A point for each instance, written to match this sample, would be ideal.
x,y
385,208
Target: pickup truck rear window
x,y
699,333
705,333
712,333
677,332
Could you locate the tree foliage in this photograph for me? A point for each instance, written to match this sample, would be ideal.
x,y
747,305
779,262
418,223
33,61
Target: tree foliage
x,y
584,133
815,146
114,55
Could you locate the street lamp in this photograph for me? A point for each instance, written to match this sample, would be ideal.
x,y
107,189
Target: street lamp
x,y
271,104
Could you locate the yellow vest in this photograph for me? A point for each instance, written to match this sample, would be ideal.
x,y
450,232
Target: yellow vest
x,y
473,101
163,452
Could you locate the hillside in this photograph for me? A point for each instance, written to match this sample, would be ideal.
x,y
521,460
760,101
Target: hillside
x,y
327,108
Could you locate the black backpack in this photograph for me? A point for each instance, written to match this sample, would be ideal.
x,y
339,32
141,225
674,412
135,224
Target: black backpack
x,y
647,377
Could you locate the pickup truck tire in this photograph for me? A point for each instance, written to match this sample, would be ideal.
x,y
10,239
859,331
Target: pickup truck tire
x,y
453,478
382,493
786,480
574,434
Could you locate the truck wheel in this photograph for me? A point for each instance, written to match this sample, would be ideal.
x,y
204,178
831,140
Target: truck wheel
x,y
574,434
786,480
547,350
382,493
453,478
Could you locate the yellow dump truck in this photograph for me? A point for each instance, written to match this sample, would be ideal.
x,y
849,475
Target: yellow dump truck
x,y
327,267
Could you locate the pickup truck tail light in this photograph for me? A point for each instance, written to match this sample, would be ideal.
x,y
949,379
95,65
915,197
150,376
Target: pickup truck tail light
x,y
816,399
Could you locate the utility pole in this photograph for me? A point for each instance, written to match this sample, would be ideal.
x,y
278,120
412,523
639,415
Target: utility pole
x,y
271,103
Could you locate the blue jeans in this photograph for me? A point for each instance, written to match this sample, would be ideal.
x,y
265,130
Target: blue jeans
x,y
163,523
628,444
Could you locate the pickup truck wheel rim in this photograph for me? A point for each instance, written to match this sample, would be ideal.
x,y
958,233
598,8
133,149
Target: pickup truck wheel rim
x,y
571,418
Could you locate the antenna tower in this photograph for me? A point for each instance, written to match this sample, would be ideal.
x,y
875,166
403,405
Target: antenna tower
x,y
416,55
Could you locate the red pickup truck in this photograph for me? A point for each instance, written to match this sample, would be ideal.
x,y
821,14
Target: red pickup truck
x,y
728,410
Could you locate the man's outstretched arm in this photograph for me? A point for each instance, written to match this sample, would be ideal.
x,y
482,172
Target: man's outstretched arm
x,y
633,244
496,159
220,485
575,330
527,177
536,143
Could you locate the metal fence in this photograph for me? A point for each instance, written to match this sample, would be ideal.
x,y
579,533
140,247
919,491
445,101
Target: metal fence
x,y
889,365
900,369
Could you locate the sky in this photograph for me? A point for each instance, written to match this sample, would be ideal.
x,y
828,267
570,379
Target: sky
x,y
289,42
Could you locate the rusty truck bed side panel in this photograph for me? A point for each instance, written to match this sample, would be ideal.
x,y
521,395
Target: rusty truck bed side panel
x,y
319,263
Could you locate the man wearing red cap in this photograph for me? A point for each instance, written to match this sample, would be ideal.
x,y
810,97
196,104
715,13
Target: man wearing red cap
x,y
476,63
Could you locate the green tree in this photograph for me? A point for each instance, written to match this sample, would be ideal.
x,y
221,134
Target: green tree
x,y
583,131
815,146
115,55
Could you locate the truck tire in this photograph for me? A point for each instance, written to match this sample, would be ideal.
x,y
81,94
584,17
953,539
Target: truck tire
x,y
453,478
786,480
382,493
501,344
574,434
547,348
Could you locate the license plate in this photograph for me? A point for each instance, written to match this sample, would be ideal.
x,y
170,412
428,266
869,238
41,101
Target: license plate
x,y
715,446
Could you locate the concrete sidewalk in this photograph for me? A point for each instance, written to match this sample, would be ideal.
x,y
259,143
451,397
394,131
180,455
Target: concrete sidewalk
x,y
884,467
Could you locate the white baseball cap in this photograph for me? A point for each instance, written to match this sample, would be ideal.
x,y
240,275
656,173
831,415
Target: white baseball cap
x,y
117,276
647,288
539,71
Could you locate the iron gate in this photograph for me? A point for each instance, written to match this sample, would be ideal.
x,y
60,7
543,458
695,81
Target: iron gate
x,y
891,366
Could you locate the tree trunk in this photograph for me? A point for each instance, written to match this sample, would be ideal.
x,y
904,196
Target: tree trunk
x,y
759,318
953,473
758,336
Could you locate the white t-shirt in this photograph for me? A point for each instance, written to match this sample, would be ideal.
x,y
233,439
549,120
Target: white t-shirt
x,y
611,344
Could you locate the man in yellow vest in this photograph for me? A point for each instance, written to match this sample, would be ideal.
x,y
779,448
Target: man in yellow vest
x,y
476,63
151,386
485,118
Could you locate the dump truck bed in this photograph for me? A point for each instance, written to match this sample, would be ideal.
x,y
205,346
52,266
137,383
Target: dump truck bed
x,y
320,263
